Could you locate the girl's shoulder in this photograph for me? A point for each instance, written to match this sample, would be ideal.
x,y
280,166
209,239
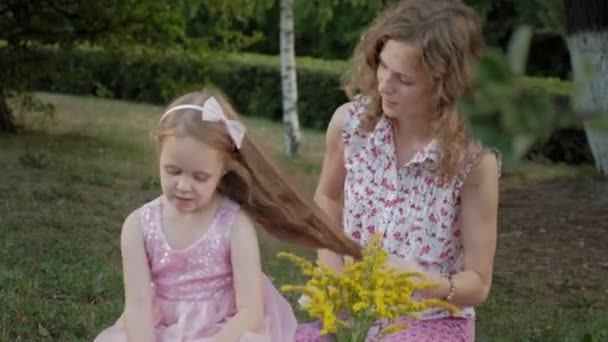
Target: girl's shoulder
x,y
143,218
132,234
242,223
238,226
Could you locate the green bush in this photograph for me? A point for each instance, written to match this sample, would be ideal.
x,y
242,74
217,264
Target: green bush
x,y
552,85
251,81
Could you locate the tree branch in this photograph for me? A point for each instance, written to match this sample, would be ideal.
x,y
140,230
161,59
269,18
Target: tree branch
x,y
65,13
586,15
12,6
3,11
14,35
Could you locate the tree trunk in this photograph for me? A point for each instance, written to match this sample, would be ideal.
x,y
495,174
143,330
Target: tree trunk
x,y
288,80
7,120
587,38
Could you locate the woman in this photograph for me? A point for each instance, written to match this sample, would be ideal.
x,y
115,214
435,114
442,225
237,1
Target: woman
x,y
401,161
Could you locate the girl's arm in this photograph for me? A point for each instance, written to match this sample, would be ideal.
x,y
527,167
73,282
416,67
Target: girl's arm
x,y
479,207
330,190
136,275
247,275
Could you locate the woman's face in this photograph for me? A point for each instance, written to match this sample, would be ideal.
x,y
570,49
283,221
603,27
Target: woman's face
x,y
406,88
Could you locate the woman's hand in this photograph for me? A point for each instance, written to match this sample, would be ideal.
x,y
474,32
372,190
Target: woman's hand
x,y
401,264
214,338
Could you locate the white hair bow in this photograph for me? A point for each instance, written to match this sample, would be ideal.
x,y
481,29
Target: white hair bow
x,y
212,111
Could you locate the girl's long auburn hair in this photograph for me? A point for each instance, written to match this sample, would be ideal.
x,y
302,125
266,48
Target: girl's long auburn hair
x,y
447,36
254,182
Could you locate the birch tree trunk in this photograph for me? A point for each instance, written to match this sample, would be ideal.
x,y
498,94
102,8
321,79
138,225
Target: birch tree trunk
x,y
7,120
288,80
587,39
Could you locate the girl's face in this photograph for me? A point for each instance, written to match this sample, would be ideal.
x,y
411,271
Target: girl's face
x,y
189,172
405,87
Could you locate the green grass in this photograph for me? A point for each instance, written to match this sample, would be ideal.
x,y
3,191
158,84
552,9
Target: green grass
x,y
66,189
536,172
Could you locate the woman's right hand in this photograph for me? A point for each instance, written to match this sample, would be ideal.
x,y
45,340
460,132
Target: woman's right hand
x,y
402,265
330,189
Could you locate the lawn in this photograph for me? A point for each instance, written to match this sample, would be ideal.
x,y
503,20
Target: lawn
x,y
67,184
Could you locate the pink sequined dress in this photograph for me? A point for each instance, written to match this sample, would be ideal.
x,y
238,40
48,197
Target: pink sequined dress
x,y
193,287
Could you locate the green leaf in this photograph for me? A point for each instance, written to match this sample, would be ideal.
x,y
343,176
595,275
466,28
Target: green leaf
x,y
521,144
42,331
491,67
587,337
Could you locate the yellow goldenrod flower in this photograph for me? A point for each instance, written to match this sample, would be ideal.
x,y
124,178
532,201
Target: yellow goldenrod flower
x,y
367,292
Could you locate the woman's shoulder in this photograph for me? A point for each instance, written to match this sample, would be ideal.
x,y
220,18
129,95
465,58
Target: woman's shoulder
x,y
342,113
354,107
347,118
337,124
483,161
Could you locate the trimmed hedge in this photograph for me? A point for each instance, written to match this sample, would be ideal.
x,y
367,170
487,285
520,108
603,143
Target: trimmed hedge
x,y
251,81
551,85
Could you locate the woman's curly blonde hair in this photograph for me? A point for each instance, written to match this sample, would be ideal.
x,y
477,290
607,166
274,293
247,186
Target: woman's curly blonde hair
x,y
446,34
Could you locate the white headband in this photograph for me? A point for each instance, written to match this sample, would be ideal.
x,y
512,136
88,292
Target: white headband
x,y
212,111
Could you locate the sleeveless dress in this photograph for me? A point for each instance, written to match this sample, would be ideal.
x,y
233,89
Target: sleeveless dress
x,y
419,219
193,287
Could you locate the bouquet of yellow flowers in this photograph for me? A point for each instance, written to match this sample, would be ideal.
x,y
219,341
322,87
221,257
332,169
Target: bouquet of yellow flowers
x,y
369,294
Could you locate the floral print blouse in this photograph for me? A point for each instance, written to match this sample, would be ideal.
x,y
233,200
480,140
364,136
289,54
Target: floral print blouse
x,y
419,219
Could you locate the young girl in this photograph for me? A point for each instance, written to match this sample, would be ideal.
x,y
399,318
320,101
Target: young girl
x,y
191,261
401,162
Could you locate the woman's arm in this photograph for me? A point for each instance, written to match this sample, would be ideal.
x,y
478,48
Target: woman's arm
x,y
136,275
479,207
330,190
479,210
247,274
